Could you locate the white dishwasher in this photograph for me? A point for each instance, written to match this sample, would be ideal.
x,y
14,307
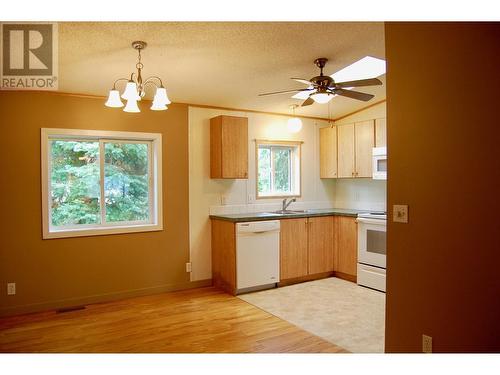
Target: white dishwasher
x,y
257,255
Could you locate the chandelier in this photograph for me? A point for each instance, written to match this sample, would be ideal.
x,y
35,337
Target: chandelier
x,y
136,88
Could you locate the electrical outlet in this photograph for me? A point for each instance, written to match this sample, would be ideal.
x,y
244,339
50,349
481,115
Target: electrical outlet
x,y
11,289
426,344
188,267
251,198
222,200
400,213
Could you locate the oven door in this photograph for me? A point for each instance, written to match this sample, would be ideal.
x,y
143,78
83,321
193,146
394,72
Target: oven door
x,y
372,242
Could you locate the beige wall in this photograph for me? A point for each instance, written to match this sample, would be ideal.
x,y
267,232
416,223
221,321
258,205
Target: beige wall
x,y
443,133
62,272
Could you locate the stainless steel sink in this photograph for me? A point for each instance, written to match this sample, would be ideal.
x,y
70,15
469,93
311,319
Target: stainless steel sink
x,y
290,212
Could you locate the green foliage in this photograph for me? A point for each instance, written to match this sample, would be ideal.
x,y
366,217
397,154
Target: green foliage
x,y
282,160
75,182
264,180
280,181
126,181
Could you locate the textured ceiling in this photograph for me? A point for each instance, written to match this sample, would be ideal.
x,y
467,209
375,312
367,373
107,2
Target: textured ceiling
x,y
225,64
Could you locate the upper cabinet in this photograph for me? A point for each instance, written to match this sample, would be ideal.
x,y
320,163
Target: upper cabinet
x,y
328,152
364,139
381,132
346,150
229,147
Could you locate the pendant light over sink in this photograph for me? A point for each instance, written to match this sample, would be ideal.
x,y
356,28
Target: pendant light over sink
x,y
294,124
135,88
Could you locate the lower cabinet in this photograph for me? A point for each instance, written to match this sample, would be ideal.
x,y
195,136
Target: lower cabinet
x,y
307,246
293,248
318,245
346,253
310,248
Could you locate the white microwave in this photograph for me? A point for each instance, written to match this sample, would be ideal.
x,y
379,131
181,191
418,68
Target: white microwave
x,y
379,166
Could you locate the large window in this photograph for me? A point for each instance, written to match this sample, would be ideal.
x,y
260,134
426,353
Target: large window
x,y
98,182
278,169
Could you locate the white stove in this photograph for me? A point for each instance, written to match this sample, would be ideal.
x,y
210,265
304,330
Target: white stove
x,y
372,249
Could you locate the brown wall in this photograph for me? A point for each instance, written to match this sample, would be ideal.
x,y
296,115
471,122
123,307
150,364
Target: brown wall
x,y
443,279
62,272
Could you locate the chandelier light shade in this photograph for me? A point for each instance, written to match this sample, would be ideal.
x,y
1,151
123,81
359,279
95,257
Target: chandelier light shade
x,y
131,106
294,124
131,91
114,100
135,89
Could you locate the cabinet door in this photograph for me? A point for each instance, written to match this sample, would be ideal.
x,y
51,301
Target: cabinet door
x,y
234,147
328,152
345,134
293,248
364,134
380,132
320,244
347,245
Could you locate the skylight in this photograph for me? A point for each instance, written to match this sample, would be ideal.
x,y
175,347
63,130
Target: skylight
x,y
367,67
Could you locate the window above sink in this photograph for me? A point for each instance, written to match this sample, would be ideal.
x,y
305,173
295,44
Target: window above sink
x,y
278,165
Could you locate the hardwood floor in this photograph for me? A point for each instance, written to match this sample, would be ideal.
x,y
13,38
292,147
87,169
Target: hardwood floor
x,y
193,321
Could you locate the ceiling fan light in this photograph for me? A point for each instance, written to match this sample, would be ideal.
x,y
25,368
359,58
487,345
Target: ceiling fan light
x,y
322,97
131,91
294,125
131,106
114,100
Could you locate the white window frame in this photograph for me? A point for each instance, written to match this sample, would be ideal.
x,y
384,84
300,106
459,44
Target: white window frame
x,y
295,166
155,222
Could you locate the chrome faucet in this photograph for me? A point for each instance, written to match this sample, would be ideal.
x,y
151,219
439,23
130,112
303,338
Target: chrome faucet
x,y
286,204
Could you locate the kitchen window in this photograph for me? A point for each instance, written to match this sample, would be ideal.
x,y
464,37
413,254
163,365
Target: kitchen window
x,y
100,182
278,169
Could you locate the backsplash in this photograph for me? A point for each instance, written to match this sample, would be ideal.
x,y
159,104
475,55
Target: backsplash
x,y
361,194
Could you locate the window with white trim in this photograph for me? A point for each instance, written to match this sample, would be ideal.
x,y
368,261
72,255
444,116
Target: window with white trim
x,y
100,182
278,169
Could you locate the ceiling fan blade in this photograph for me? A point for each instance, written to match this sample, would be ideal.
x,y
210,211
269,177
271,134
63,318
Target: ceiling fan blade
x,y
284,92
360,82
354,94
304,81
307,102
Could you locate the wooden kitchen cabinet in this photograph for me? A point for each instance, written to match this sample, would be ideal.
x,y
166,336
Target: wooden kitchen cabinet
x,y
355,143
346,252
229,147
320,244
293,248
381,132
307,247
346,166
328,152
364,136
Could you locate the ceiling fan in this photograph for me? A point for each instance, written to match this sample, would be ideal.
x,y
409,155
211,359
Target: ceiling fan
x,y
322,88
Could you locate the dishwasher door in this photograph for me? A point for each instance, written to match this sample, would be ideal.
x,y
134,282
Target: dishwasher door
x,y
257,253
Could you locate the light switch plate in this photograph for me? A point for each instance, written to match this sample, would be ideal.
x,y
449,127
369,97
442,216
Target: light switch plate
x,y
11,289
426,344
400,213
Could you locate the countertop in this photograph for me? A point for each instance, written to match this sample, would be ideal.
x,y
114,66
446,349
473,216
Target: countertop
x,y
258,216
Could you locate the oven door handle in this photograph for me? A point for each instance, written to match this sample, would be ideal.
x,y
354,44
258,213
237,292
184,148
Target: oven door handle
x,y
365,220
